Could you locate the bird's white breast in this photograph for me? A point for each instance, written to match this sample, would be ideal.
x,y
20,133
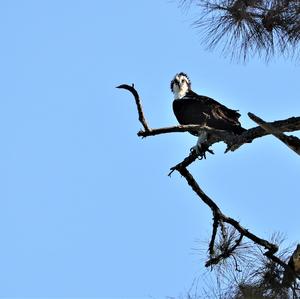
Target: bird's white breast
x,y
180,92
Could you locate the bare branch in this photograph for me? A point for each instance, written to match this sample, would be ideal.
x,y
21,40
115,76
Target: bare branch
x,y
233,141
173,129
271,248
185,163
291,141
286,125
138,104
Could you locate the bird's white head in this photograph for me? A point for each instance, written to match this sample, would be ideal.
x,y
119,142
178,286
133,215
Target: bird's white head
x,y
180,85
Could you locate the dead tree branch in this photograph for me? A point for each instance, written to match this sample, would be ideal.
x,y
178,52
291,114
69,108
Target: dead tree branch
x,y
291,141
233,142
211,246
271,249
138,104
185,163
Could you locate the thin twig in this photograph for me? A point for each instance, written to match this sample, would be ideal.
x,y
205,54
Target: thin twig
x,y
225,254
174,129
138,102
213,235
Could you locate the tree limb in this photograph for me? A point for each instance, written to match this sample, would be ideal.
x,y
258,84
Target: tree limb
x,y
213,236
233,142
271,249
138,104
185,163
291,141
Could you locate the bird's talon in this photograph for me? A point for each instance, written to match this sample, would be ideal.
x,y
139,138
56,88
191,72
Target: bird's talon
x,y
210,151
201,151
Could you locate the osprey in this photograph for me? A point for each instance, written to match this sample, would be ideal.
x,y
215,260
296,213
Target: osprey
x,y
193,109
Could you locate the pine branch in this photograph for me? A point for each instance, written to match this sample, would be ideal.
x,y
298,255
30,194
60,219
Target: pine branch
x,y
248,27
225,253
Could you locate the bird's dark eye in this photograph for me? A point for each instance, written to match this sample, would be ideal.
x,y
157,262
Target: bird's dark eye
x,y
182,80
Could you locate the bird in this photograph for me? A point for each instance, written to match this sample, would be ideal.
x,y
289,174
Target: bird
x,y
191,108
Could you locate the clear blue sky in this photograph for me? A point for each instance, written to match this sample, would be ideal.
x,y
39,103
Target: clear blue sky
x,y
86,207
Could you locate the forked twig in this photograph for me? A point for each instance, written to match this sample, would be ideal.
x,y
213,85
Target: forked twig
x,y
291,141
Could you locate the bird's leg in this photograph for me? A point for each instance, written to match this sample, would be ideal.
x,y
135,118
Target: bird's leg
x,y
201,146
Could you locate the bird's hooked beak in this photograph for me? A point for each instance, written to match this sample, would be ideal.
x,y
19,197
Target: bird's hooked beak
x,y
176,81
